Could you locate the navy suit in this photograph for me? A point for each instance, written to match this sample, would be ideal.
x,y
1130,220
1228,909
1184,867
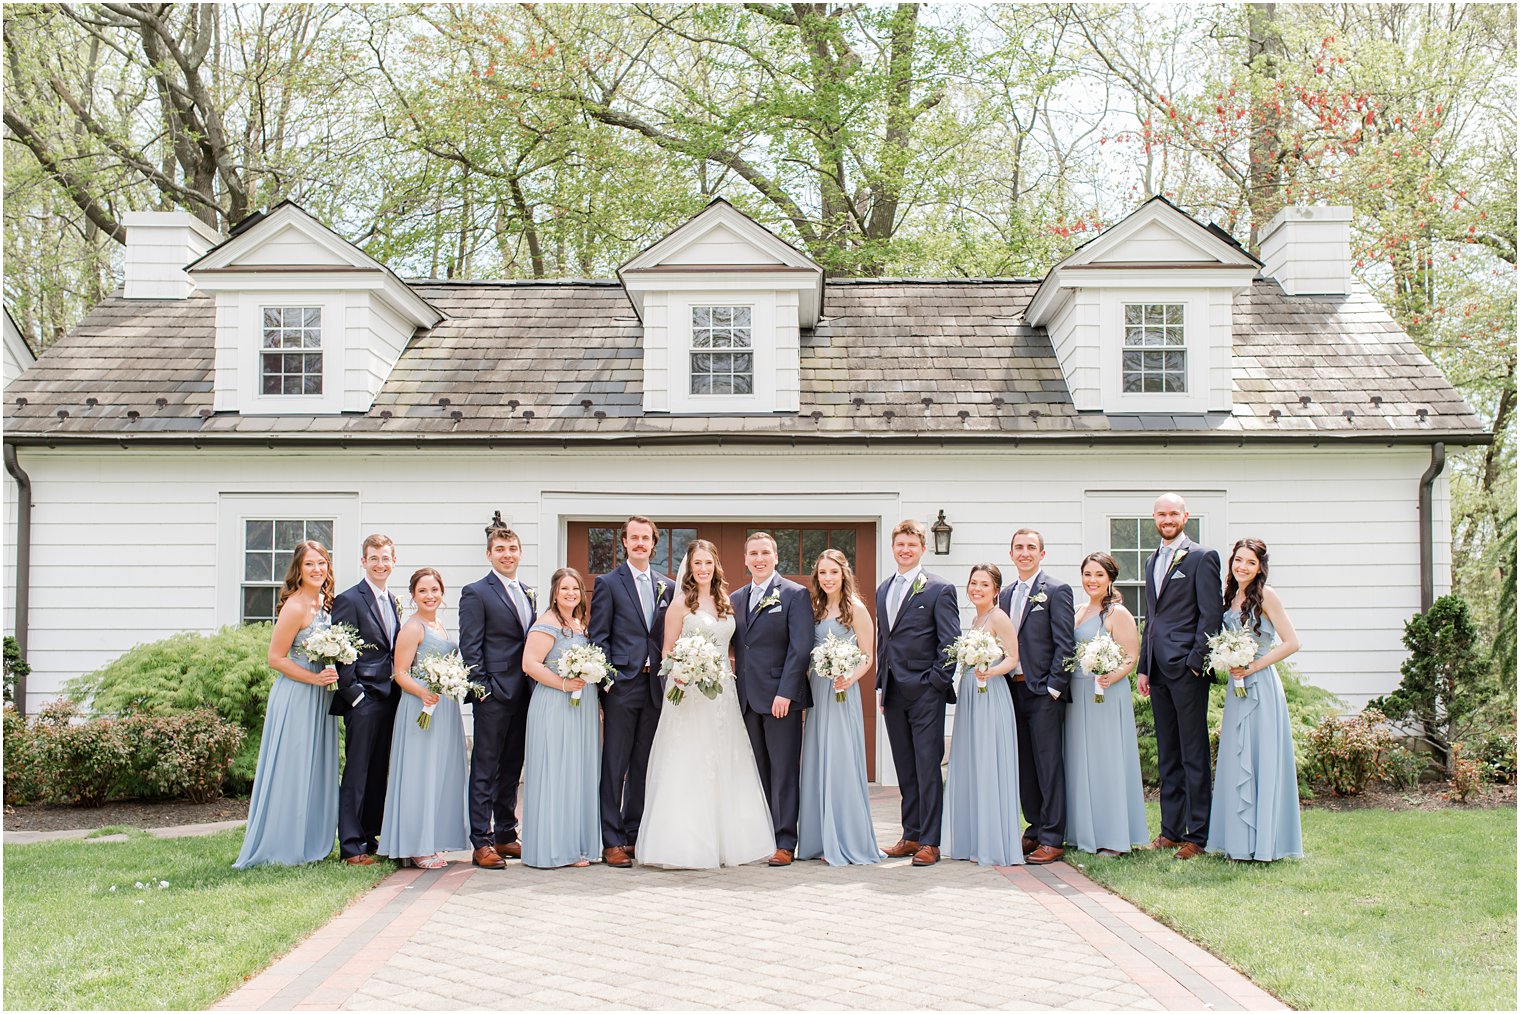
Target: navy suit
x,y
1047,638
1173,647
772,649
491,638
366,698
917,678
631,707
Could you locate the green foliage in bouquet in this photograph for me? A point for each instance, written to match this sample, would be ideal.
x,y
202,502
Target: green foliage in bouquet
x,y
227,671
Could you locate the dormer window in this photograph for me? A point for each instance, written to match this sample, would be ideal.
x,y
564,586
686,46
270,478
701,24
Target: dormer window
x,y
1155,348
722,350
291,358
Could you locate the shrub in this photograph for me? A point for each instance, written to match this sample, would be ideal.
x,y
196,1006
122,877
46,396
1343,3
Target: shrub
x,y
1348,753
23,775
1493,746
15,668
1466,775
226,671
181,756
1403,767
83,762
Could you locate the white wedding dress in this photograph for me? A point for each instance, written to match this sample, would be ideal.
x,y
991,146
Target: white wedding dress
x,y
703,804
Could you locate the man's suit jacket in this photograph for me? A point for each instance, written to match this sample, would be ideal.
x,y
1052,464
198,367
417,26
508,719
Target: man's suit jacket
x,y
617,621
773,646
912,655
370,673
491,637
1187,612
1047,637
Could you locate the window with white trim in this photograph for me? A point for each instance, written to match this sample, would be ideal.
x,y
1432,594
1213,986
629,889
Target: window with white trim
x,y
722,350
1155,349
1131,542
290,356
266,552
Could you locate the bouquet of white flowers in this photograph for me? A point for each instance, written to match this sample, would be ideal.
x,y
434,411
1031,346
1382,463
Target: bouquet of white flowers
x,y
1229,649
976,649
335,644
1097,656
446,676
693,661
836,657
585,662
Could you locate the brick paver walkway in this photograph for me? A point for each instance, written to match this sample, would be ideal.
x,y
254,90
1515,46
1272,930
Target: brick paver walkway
x,y
953,936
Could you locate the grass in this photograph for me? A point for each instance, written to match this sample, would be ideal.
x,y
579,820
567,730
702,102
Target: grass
x,y
1389,910
71,942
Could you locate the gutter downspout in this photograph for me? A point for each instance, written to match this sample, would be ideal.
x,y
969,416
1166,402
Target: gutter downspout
x,y
1427,540
23,560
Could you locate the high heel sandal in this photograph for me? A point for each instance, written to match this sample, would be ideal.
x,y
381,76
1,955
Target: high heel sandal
x,y
432,862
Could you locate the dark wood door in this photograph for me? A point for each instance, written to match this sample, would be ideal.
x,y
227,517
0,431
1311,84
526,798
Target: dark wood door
x,y
595,548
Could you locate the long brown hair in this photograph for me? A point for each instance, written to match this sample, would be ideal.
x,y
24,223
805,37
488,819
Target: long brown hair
x,y
582,610
1111,568
691,593
293,575
418,575
1250,608
846,590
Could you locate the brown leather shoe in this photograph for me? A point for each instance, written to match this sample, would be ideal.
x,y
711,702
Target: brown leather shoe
x,y
487,858
359,860
782,857
616,856
1028,845
511,850
904,847
927,855
629,850
1189,850
1044,854
1161,841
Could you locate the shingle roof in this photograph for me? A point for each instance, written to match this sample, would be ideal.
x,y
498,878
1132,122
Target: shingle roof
x,y
892,358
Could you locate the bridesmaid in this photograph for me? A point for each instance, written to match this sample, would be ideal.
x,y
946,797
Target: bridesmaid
x,y
564,751
1105,804
835,820
1255,810
982,790
425,797
293,810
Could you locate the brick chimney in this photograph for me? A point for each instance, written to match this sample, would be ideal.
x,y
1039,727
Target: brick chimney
x,y
159,245
1308,250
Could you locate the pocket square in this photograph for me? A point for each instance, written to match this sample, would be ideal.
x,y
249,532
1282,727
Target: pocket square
x,y
1177,575
1037,609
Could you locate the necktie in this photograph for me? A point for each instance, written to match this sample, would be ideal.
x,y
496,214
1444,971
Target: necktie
x,y
387,618
646,599
1163,563
756,593
519,602
1020,593
899,593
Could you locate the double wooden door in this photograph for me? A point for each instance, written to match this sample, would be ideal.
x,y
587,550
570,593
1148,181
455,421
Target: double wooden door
x,y
596,548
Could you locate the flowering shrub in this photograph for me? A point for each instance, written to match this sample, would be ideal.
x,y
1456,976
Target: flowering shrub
x,y
181,756
80,762
1403,767
1466,775
1349,753
23,781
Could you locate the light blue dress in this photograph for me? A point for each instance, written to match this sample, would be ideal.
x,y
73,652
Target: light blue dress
x,y
1105,804
561,821
834,822
426,794
1255,810
293,810
982,790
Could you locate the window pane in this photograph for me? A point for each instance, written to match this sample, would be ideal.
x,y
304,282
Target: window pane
x,y
258,604
741,316
703,362
788,549
701,316
287,534
680,538
843,539
320,531
1132,312
258,535
814,541
744,384
1133,600
701,383
599,550
312,317
1172,361
1121,533
258,566
1191,529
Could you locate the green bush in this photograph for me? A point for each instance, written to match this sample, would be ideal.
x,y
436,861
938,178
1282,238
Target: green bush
x,y
1466,775
1492,745
23,775
227,671
180,756
82,762
1350,753
15,668
1404,767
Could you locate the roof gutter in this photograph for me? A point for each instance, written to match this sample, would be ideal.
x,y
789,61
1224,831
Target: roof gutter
x,y
1427,523
23,561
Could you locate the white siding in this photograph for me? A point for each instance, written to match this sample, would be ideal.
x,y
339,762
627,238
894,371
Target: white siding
x,y
721,245
1308,250
1075,333
1219,347
289,247
1154,243
657,352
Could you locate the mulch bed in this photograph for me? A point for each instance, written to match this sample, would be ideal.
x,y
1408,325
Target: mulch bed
x,y
1431,796
133,813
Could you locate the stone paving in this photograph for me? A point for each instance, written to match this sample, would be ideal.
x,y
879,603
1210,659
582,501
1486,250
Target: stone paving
x,y
954,936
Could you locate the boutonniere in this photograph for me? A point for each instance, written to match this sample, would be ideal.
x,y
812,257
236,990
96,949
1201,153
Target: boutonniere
x,y
1178,557
774,598
918,585
659,588
1039,599
532,596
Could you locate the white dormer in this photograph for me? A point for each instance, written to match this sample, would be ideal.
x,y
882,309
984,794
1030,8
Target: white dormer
x,y
1140,317
723,302
306,322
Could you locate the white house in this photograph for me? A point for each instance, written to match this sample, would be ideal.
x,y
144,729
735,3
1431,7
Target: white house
x,y
241,393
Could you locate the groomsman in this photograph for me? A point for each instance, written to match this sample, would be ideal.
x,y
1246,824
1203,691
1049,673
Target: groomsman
x,y
628,624
494,616
1044,615
917,622
1184,607
366,699
773,644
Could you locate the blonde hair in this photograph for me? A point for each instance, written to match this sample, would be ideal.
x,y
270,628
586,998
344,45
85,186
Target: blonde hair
x,y
912,526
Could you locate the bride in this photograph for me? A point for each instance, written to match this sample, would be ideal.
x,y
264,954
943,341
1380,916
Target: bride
x,y
703,804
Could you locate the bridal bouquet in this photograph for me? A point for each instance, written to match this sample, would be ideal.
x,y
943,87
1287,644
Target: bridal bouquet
x,y
976,649
1097,656
1231,648
335,644
836,657
693,661
446,676
584,662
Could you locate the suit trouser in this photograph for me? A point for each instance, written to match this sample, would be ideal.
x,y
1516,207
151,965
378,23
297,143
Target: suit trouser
x,y
1181,710
496,763
916,730
1041,725
777,743
630,714
366,766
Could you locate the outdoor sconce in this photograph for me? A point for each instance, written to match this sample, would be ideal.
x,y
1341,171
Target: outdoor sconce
x,y
941,529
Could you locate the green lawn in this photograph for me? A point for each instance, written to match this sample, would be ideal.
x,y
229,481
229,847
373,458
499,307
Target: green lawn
x,y
73,943
1388,910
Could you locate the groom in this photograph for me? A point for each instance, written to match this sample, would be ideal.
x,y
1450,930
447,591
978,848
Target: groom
x,y
773,643
628,624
